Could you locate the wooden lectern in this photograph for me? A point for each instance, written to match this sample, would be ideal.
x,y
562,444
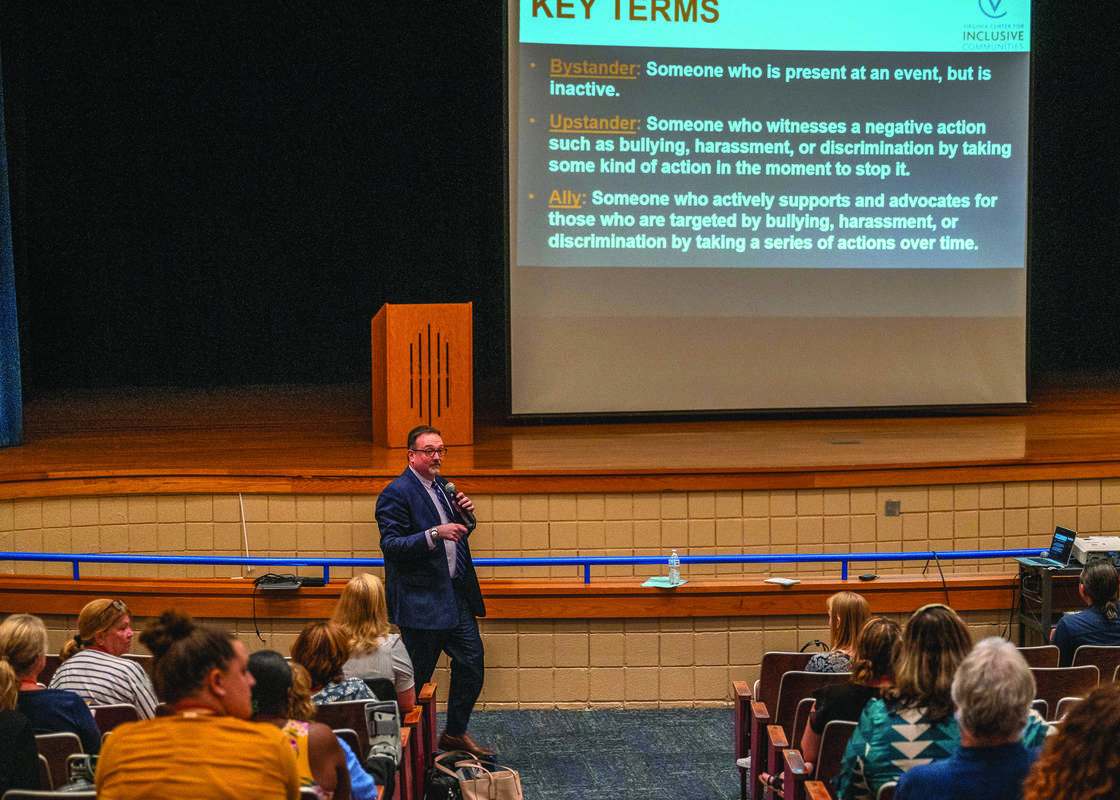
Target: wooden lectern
x,y
422,372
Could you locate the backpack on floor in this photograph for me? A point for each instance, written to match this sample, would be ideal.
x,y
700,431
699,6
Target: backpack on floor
x,y
442,781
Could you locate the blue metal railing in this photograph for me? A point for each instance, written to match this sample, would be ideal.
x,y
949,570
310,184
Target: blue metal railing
x,y
587,562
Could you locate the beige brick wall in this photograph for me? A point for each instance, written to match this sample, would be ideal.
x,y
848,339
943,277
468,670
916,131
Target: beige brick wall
x,y
580,663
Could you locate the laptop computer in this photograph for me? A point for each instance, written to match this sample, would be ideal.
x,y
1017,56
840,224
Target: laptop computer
x,y
1061,548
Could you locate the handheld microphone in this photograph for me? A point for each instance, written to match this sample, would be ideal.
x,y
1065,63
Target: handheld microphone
x,y
467,516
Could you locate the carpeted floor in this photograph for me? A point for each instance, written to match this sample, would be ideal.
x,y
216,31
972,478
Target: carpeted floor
x,y
683,754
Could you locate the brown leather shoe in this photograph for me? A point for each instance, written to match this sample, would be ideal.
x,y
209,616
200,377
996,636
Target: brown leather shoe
x,y
464,742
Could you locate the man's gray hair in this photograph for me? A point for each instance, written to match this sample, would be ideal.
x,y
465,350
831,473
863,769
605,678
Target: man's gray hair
x,y
993,690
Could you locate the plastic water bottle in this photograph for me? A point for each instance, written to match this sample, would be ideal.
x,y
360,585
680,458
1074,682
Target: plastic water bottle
x,y
674,568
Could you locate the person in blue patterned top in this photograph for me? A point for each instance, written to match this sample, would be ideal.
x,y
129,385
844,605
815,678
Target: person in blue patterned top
x,y
993,690
847,612
322,648
914,724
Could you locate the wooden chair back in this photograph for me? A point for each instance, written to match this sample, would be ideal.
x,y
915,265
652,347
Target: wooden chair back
x,y
800,720
1054,683
144,660
1106,658
834,741
56,748
797,686
1065,705
1044,655
347,714
110,716
52,665
350,736
45,780
766,752
774,666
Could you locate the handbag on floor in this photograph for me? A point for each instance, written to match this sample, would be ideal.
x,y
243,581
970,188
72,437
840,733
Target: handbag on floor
x,y
458,774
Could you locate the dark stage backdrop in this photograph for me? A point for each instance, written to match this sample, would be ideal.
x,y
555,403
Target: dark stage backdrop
x,y
223,193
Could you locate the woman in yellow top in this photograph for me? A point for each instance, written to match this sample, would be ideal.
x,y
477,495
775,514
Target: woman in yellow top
x,y
207,749
321,762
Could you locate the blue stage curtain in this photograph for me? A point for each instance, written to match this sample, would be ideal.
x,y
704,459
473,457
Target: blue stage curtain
x,y
11,398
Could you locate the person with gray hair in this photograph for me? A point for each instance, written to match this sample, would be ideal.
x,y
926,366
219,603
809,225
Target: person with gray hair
x,y
1000,733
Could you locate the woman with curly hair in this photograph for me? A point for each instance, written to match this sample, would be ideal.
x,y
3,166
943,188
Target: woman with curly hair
x,y
913,723
321,762
847,612
362,784
1082,760
322,648
871,674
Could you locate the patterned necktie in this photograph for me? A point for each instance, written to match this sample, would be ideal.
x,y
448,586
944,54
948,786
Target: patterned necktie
x,y
461,545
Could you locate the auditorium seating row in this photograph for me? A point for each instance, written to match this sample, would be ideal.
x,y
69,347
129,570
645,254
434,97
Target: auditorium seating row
x,y
347,719
770,717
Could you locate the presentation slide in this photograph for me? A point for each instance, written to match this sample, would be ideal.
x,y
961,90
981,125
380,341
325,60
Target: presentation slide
x,y
716,205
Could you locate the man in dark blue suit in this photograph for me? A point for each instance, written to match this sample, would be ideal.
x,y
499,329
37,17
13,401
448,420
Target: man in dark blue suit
x,y
430,584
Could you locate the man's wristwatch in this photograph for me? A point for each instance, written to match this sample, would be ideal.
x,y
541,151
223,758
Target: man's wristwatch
x,y
433,536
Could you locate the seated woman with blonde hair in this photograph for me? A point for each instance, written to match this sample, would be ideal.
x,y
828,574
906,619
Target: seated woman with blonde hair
x,y
93,663
23,648
847,612
375,653
19,757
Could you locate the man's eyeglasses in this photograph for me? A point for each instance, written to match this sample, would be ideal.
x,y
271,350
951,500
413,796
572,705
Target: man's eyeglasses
x,y
430,453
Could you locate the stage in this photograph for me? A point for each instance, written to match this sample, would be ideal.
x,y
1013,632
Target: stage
x,y
284,471
317,439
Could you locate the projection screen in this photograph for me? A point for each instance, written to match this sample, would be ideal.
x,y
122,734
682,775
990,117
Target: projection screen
x,y
725,205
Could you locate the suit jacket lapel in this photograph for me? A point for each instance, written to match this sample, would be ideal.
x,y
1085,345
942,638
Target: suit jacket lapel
x,y
423,492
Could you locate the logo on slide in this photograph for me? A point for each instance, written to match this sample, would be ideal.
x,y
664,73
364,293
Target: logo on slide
x,y
990,8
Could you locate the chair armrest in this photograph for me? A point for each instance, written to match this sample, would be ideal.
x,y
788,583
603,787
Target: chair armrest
x,y
759,740
795,775
816,790
777,737
741,720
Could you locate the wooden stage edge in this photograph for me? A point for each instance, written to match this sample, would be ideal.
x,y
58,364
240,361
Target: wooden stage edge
x,y
318,440
519,598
